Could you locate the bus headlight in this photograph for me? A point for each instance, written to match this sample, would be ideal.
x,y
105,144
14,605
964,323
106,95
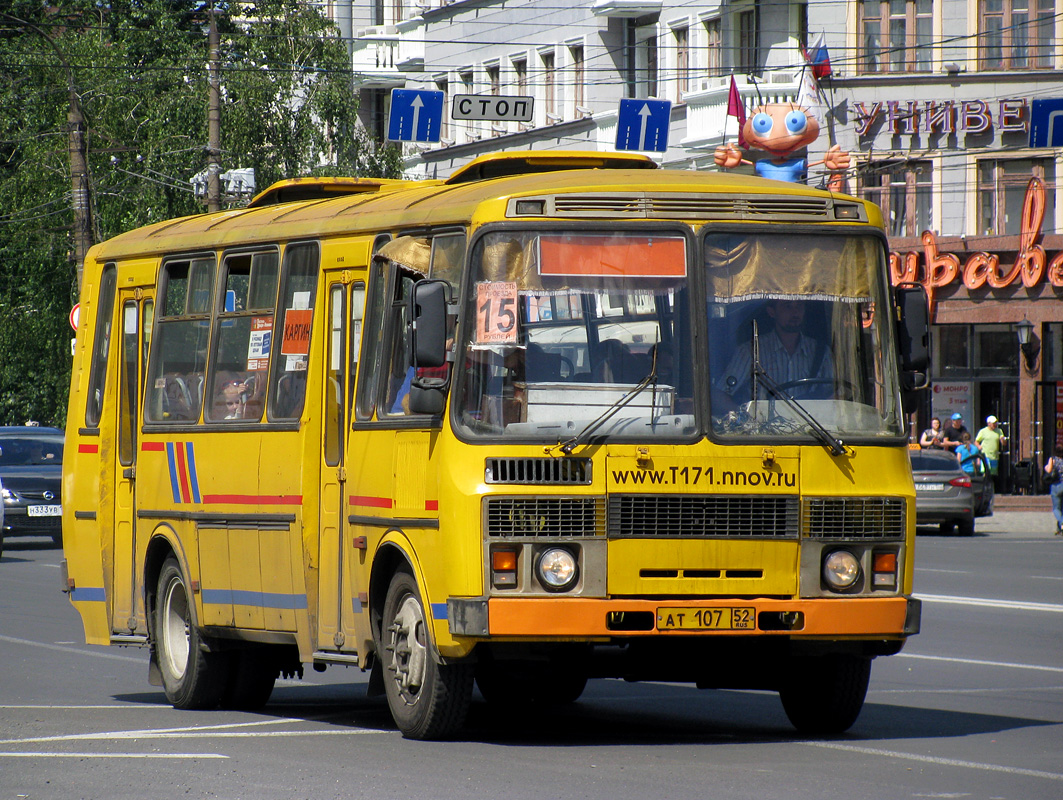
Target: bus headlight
x,y
841,569
557,569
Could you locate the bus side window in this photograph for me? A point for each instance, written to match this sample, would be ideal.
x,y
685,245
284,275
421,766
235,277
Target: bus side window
x,y
365,404
179,347
101,346
292,327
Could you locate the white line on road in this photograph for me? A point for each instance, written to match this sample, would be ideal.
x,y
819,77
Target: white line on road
x,y
68,650
979,663
948,762
1013,605
112,755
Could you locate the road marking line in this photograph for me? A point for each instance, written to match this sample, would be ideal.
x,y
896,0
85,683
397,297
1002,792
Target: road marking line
x,y
1016,605
948,762
112,755
980,663
949,571
137,707
69,650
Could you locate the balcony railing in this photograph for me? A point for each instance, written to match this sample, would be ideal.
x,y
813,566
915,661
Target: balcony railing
x,y
707,122
384,56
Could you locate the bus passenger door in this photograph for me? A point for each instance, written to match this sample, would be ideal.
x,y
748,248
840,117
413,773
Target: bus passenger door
x,y
339,578
137,311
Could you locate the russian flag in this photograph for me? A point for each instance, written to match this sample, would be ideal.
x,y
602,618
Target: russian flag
x,y
818,58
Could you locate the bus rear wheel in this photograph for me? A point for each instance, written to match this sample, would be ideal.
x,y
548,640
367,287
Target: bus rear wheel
x,y
824,695
428,700
252,676
192,677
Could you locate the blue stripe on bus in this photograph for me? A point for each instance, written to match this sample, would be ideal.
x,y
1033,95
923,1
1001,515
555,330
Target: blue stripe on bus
x,y
174,486
88,594
233,597
439,610
190,458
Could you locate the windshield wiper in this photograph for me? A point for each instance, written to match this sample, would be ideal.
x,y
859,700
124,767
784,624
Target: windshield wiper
x,y
829,440
571,444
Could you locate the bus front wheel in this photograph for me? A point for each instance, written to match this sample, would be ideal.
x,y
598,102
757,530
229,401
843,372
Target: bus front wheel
x,y
192,678
824,695
428,700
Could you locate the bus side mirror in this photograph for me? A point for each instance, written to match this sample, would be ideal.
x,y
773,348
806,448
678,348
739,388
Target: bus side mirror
x,y
913,343
428,324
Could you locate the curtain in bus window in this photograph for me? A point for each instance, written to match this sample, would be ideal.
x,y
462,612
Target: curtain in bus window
x,y
747,266
179,348
292,328
412,252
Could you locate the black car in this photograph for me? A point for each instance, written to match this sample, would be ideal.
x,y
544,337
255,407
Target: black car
x,y
31,467
946,494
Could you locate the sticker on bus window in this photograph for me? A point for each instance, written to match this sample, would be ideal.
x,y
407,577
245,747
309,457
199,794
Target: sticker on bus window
x,y
624,255
296,338
259,343
496,312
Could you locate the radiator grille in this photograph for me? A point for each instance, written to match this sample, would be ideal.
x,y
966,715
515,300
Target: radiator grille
x,y
693,206
538,471
701,516
543,516
854,518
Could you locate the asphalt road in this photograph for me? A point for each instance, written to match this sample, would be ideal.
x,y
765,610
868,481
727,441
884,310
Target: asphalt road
x,y
973,708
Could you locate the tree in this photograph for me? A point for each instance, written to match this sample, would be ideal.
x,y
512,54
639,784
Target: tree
x,y
138,68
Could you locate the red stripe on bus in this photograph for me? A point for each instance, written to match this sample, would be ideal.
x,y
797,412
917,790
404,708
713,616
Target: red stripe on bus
x,y
253,499
152,447
371,502
431,505
182,473
88,448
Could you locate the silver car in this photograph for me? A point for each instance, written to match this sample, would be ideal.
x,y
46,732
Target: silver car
x,y
946,494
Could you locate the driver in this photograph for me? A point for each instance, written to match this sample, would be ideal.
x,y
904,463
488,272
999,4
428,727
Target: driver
x,y
786,355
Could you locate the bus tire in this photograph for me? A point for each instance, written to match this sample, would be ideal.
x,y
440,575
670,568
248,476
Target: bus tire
x,y
825,695
191,677
252,675
428,700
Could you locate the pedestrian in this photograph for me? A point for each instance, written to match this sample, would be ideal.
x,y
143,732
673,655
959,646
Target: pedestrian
x,y
991,440
1054,481
966,453
954,433
932,437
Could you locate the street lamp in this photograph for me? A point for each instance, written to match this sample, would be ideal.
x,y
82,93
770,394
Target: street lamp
x,y
1029,343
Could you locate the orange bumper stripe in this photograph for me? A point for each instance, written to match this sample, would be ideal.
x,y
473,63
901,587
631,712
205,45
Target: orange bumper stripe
x,y
878,616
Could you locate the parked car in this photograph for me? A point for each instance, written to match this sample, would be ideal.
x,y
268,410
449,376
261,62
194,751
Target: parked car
x,y
946,494
31,466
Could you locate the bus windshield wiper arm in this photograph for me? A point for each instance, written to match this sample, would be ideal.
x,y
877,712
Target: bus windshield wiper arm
x,y
571,444
832,442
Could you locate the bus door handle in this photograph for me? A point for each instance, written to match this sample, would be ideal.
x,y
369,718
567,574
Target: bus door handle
x,y
130,473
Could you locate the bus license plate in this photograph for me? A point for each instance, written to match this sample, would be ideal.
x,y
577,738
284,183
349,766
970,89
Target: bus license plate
x,y
44,511
706,619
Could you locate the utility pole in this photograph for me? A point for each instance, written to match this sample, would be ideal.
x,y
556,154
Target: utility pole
x,y
80,188
214,116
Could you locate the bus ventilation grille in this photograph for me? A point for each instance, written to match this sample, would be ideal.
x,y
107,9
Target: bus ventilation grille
x,y
854,518
694,516
685,206
542,516
538,471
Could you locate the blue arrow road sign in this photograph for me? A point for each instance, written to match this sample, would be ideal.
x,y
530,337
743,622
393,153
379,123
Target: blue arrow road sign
x,y
416,115
1046,123
643,125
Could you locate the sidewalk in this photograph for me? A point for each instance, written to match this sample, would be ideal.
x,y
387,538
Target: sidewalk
x,y
1024,515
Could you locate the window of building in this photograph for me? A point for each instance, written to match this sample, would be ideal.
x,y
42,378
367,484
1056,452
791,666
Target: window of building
x,y
443,85
1002,187
520,76
975,351
895,36
902,189
494,79
1015,34
549,61
646,62
579,80
682,61
747,41
467,87
713,48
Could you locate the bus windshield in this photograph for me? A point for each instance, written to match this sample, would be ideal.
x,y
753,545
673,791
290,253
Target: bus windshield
x,y
796,337
564,327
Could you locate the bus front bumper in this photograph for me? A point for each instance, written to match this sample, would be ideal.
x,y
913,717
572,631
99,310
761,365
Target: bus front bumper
x,y
584,618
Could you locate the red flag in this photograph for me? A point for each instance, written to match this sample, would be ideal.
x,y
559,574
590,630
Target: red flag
x,y
818,58
736,108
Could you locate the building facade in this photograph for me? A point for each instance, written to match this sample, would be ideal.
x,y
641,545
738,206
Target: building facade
x,y
948,107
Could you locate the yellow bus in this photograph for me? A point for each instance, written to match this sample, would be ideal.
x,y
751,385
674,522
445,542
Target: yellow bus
x,y
560,416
